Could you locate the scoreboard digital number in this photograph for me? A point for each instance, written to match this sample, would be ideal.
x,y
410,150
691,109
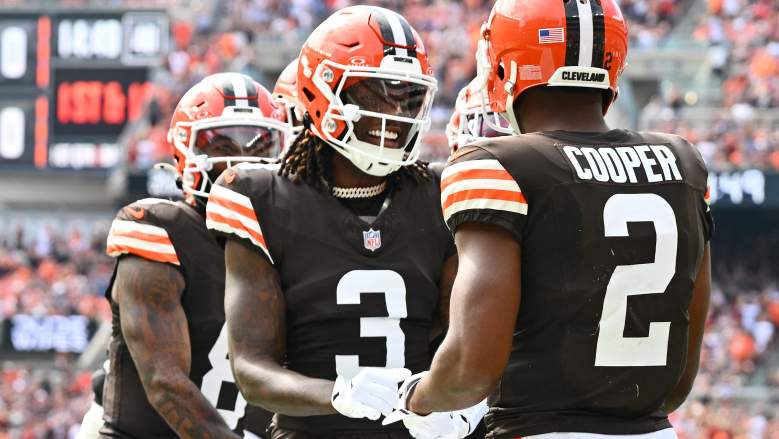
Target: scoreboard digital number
x,y
71,82
99,102
18,46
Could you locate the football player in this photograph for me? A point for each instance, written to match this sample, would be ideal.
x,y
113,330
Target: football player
x,y
338,264
469,121
169,373
603,233
285,92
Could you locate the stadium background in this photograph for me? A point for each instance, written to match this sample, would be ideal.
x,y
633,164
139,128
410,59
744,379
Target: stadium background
x,y
87,88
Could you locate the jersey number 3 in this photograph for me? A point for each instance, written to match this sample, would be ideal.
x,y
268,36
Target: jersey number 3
x,y
613,349
392,286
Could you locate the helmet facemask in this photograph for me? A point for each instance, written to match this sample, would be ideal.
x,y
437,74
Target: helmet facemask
x,y
293,115
497,122
217,143
384,111
479,124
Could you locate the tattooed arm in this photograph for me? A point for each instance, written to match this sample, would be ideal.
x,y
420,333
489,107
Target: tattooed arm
x,y
155,329
256,330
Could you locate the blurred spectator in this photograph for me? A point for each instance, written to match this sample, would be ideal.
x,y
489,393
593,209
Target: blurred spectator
x,y
740,128
42,403
650,20
55,275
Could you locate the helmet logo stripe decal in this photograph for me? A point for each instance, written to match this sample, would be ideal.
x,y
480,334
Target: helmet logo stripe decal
x,y
251,92
398,37
240,92
585,32
409,34
386,30
571,33
598,34
228,91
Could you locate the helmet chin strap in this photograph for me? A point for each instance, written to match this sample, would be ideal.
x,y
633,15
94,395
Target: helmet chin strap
x,y
510,87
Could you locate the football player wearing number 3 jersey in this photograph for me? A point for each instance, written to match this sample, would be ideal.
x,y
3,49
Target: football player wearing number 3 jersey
x,y
339,264
169,374
603,233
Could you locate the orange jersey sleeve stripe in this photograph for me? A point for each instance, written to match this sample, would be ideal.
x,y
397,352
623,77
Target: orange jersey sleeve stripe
x,y
234,223
232,205
144,237
116,250
488,194
476,174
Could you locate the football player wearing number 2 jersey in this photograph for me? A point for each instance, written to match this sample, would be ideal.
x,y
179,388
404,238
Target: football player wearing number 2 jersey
x,y
339,264
169,374
602,233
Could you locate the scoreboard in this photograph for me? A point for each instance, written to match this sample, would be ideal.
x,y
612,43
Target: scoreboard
x,y
70,81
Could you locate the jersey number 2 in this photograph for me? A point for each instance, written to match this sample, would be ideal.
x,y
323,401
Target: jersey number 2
x,y
613,348
219,376
392,286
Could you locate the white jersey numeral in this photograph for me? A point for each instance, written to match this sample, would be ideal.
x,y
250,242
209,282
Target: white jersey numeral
x,y
613,349
392,286
220,374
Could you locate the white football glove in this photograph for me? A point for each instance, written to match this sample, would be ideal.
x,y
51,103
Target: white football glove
x,y
369,394
444,425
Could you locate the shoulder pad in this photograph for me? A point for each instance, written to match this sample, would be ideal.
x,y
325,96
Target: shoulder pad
x,y
230,211
463,151
140,229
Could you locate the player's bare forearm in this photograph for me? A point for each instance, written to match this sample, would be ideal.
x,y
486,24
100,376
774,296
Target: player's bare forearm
x,y
155,329
698,311
256,329
187,411
482,317
444,298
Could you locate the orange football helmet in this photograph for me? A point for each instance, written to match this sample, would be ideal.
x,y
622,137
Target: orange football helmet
x,y
285,92
568,43
365,83
225,107
469,122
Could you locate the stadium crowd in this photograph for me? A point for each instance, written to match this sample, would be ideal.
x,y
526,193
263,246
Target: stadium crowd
x,y
739,126
54,274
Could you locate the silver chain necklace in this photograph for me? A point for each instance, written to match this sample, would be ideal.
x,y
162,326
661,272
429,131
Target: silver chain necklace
x,y
359,192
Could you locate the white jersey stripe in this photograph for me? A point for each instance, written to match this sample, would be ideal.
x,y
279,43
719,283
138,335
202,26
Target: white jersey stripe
x,y
123,226
485,203
219,226
249,223
486,164
585,33
126,241
235,197
479,184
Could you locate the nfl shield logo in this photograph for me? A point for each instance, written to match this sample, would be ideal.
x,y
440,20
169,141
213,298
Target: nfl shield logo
x,y
372,239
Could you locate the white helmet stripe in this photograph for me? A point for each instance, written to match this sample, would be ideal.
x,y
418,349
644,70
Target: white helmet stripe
x,y
585,33
398,36
239,88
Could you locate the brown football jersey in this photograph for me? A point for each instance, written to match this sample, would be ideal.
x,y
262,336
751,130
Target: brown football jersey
x,y
357,294
173,233
612,228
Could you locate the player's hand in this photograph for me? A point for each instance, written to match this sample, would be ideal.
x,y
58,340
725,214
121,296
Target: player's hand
x,y
369,394
444,425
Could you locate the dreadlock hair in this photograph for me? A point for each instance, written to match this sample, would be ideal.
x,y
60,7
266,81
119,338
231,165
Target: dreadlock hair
x,y
308,159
